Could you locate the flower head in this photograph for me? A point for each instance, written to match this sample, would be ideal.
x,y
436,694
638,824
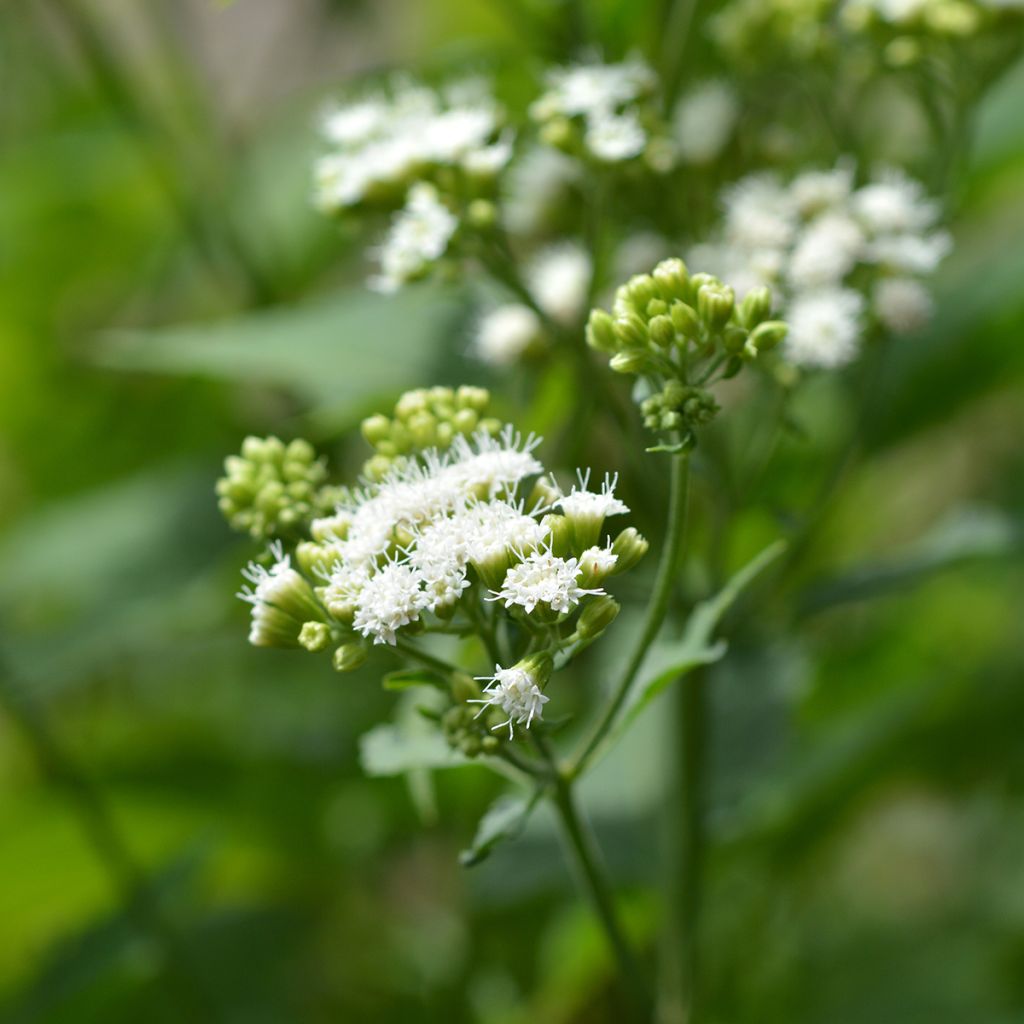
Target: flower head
x,y
543,579
516,692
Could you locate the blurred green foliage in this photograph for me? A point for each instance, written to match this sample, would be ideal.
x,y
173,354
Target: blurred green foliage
x,y
186,832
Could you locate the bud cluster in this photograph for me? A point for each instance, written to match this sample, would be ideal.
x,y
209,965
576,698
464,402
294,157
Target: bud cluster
x,y
682,332
273,489
453,529
422,419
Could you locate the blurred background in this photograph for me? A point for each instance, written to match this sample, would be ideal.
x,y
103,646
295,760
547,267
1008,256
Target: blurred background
x,y
185,832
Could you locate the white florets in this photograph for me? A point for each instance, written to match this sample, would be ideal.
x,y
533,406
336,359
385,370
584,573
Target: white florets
x,y
704,120
816,239
419,235
505,333
559,279
824,328
516,692
543,578
584,504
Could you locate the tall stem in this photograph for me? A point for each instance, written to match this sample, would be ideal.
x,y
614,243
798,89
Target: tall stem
x,y
586,859
657,606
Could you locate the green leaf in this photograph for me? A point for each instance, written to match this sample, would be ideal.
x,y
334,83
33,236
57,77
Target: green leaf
x,y
966,535
697,646
411,742
334,353
504,819
405,678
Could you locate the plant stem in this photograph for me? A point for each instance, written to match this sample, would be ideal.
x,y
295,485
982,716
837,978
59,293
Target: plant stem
x,y
592,877
657,606
438,664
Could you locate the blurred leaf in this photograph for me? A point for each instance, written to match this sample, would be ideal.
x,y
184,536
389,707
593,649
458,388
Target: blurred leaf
x,y
696,646
963,536
406,678
504,819
410,743
333,352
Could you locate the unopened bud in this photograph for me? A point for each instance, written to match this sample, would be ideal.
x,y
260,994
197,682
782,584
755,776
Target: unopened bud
x,y
715,304
631,331
601,334
348,657
634,360
597,615
464,688
756,306
672,279
662,332
315,636
685,320
482,214
376,429
628,547
539,667
768,335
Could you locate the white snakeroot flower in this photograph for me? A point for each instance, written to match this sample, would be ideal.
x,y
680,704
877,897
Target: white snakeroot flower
x,y
589,89
597,562
704,120
543,578
893,204
759,213
910,253
281,601
420,233
827,251
824,328
516,692
813,192
584,504
559,279
615,137
390,599
487,161
902,304
505,333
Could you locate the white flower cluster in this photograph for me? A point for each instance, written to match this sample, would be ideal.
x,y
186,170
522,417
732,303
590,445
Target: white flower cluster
x,y
703,121
416,541
805,240
387,140
605,97
419,235
281,601
558,278
516,692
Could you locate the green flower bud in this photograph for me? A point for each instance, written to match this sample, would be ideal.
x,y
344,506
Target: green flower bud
x,y
539,666
628,547
715,304
756,306
699,407
468,397
465,421
561,534
672,279
348,657
601,334
315,636
639,290
631,331
685,320
597,615
768,335
464,688
422,428
734,338
558,133
376,429
482,214
662,332
656,307
632,360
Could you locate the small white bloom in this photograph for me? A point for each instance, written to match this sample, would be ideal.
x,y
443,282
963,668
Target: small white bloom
x,y
704,120
390,599
813,192
910,253
597,562
505,333
824,328
902,304
894,203
584,504
589,89
419,235
759,213
516,692
827,250
543,578
281,601
615,137
559,278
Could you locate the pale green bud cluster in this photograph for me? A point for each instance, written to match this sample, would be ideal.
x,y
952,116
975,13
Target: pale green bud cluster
x,y
273,489
422,419
682,333
471,733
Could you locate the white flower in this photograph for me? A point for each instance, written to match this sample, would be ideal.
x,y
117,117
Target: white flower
x,y
704,120
583,504
894,204
759,213
910,253
543,578
597,562
827,250
420,234
559,279
505,333
516,692
534,185
615,137
589,89
487,161
824,328
902,304
815,191
281,601
390,599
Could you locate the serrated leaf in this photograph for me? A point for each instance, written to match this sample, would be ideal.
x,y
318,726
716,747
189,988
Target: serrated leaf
x,y
697,646
504,819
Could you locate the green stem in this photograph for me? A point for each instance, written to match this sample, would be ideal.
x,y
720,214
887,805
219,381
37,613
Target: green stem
x,y
592,878
438,664
657,607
